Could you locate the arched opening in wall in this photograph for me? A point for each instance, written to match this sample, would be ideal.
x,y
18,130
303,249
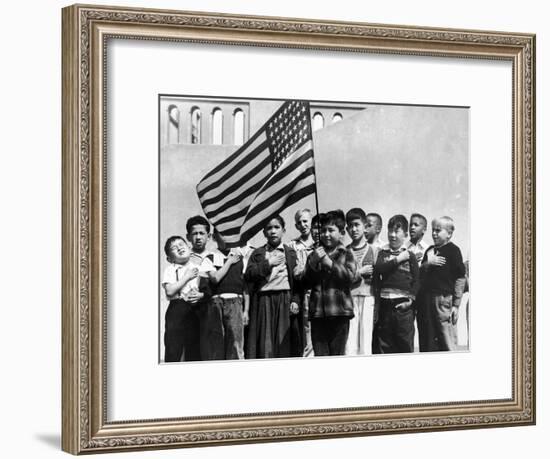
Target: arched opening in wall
x,y
337,117
196,122
318,122
173,124
238,127
217,126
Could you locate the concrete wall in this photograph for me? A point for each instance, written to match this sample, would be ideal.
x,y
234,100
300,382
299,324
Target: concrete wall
x,y
385,159
398,159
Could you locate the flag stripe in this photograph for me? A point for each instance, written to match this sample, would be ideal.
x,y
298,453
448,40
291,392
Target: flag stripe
x,y
237,215
269,193
267,201
256,224
240,202
292,199
230,159
217,180
291,163
284,191
262,170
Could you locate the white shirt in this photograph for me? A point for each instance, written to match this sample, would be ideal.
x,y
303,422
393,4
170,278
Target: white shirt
x,y
175,272
278,279
419,249
303,250
244,252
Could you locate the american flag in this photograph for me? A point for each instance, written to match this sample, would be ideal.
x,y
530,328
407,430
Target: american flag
x,y
270,172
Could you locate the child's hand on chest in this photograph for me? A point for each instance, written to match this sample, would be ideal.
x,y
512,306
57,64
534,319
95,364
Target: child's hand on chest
x,y
275,258
434,259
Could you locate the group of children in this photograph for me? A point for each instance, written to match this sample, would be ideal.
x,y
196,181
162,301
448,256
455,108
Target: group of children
x,y
314,296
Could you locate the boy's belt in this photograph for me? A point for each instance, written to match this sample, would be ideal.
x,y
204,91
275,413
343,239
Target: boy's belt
x,y
227,296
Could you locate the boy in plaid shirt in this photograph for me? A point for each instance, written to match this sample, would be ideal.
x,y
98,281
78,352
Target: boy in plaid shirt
x,y
330,271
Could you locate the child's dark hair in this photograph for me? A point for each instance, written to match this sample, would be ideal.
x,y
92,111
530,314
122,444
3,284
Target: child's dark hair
x,y
275,217
169,243
398,221
197,220
378,218
356,214
316,218
419,216
334,217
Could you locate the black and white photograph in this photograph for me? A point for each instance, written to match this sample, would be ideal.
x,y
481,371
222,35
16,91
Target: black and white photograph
x,y
311,228
275,229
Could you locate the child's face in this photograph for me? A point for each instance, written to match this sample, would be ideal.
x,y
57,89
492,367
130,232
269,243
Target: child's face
x,y
330,236
198,237
396,237
303,224
440,233
371,228
273,232
315,232
179,252
356,229
417,228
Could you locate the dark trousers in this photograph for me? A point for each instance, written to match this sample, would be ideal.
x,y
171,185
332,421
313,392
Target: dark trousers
x,y
436,332
181,332
394,328
296,335
329,335
224,329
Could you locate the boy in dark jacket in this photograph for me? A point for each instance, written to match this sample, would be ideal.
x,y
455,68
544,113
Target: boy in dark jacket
x,y
330,271
395,284
443,280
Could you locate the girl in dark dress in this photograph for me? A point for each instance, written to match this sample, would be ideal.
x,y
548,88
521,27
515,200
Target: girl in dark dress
x,y
273,327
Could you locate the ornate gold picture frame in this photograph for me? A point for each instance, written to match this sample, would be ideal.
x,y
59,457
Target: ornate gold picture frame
x,y
86,34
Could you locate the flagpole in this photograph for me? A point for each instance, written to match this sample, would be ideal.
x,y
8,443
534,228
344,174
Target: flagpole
x,y
315,243
310,125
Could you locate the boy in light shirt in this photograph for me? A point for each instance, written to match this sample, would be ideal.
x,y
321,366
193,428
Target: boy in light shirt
x,y
360,327
417,228
373,228
187,294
